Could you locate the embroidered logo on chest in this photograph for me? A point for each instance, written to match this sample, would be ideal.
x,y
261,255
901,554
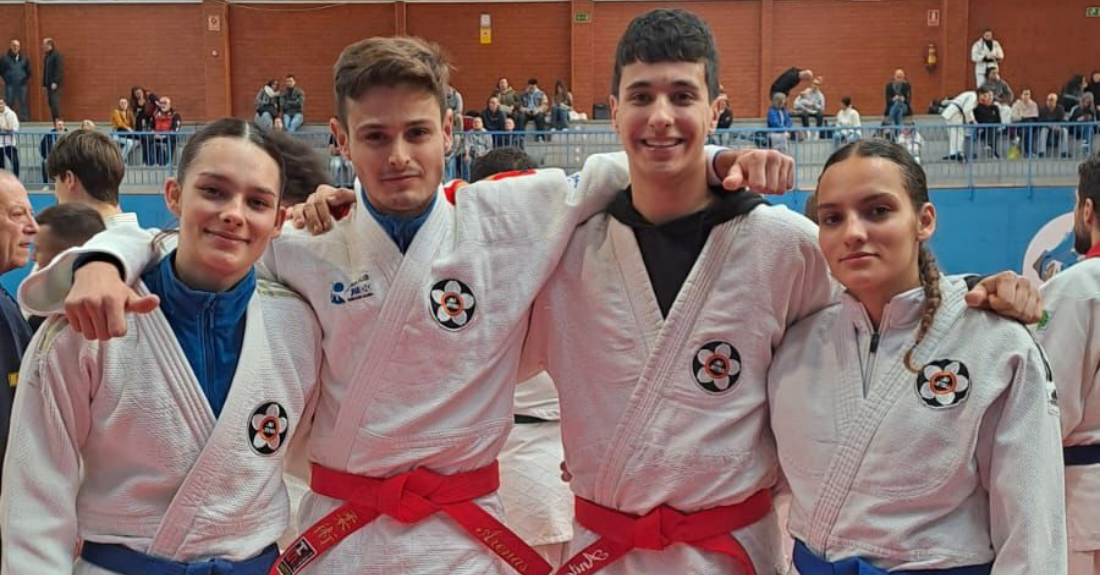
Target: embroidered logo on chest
x,y
717,366
452,304
267,428
344,292
943,383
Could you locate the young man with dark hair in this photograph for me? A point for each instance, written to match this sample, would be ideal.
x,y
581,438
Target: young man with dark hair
x,y
1070,334
86,167
534,105
53,70
413,267
292,102
63,226
501,160
658,329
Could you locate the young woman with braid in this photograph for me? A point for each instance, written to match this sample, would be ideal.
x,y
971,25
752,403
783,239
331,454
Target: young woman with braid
x,y
917,435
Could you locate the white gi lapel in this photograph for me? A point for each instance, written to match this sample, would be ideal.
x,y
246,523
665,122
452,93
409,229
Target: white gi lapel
x,y
662,360
228,436
860,429
404,291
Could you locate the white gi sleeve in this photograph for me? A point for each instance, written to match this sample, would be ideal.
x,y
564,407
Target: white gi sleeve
x,y
812,287
977,55
44,291
1071,341
50,422
1020,464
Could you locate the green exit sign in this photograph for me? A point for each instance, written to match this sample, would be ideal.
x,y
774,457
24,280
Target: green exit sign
x,y
1092,12
582,17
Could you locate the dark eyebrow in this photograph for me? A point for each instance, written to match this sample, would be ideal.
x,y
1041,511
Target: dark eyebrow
x,y
226,180
869,199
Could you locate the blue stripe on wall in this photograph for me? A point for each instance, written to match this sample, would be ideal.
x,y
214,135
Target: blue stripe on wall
x,y
979,231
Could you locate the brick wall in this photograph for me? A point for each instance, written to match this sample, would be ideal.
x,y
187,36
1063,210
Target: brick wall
x,y
107,48
855,45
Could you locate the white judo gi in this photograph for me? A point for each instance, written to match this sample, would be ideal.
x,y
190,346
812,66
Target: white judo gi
x,y
421,349
1071,336
538,505
959,111
115,442
648,417
978,53
956,465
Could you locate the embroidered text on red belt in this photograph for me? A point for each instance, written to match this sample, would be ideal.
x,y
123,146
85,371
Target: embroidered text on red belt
x,y
708,530
409,498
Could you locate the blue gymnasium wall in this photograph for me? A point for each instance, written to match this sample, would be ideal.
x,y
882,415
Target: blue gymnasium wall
x,y
980,231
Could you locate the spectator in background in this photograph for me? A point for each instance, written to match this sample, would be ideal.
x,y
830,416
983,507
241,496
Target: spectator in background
x,y
17,230
987,113
779,117
1051,137
454,102
1084,113
533,106
1025,110
267,104
494,118
1002,93
848,122
478,141
1094,85
510,137
957,112
87,124
899,94
507,97
144,105
53,70
292,102
339,167
123,124
46,144
725,120
811,103
985,53
911,140
16,70
789,80
563,104
166,122
1072,91
278,125
9,148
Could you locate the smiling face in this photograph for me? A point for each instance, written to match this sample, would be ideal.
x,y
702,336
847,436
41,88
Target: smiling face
x,y
228,211
663,114
396,140
869,231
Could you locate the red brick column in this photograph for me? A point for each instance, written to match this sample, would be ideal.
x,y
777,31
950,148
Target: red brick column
x,y
216,59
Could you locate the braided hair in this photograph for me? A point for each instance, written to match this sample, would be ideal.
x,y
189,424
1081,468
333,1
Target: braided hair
x,y
916,185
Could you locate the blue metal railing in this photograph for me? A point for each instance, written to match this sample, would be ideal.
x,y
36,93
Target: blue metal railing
x,y
1028,154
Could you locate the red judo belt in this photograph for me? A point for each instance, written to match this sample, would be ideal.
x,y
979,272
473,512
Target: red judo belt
x,y
408,498
708,530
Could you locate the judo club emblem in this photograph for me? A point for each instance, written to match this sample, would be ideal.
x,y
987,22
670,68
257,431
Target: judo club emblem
x,y
452,304
944,383
717,366
267,428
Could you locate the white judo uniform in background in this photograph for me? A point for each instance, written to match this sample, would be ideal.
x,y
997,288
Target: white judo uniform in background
x,y
1071,337
959,111
421,349
538,505
115,442
641,426
957,465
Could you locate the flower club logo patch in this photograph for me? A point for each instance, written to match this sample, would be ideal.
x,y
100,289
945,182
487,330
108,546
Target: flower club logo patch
x,y
267,428
944,383
452,304
717,366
